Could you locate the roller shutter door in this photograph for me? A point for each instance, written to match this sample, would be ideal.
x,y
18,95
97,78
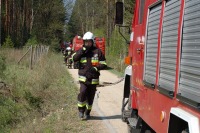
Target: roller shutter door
x,y
189,86
152,44
169,46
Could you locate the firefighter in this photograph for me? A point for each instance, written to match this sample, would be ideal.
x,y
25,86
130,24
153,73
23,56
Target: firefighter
x,y
68,57
91,61
62,46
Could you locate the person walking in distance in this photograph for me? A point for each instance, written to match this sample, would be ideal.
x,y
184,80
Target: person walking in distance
x,y
91,61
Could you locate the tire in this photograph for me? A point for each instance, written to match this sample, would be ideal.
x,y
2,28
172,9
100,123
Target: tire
x,y
129,128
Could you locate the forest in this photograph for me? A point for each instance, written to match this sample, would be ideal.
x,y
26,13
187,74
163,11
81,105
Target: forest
x,y
47,22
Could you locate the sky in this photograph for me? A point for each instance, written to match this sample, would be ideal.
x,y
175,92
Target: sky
x,y
69,4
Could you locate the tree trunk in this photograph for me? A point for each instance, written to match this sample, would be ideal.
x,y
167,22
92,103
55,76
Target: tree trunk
x,y
87,24
108,23
6,22
0,24
32,17
93,17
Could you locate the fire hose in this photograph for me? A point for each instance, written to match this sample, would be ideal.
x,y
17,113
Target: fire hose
x,y
104,84
110,83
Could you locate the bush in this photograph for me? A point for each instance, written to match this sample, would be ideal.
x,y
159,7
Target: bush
x,y
9,113
8,43
55,46
34,101
32,41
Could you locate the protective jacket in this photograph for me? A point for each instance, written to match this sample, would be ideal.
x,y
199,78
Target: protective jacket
x,y
91,61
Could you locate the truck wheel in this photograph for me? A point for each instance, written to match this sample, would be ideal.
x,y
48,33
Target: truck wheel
x,y
132,130
129,129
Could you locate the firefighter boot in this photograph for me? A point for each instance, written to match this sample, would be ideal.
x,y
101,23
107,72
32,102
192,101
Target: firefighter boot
x,y
81,115
87,114
87,117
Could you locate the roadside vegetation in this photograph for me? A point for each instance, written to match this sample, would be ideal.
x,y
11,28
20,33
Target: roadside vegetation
x,y
35,100
43,99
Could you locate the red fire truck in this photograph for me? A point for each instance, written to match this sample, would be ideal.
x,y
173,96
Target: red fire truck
x,y
100,43
162,79
77,43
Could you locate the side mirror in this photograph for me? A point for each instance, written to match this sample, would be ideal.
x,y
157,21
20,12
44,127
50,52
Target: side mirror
x,y
119,13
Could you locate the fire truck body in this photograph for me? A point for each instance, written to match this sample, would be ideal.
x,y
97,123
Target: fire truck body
x,y
100,43
162,82
77,43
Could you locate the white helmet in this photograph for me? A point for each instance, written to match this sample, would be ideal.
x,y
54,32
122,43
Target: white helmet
x,y
68,48
88,36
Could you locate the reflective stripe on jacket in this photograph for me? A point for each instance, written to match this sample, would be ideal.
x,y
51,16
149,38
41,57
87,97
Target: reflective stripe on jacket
x,y
84,79
88,59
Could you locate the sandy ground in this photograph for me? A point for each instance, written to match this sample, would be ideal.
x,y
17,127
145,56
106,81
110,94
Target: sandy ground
x,y
106,112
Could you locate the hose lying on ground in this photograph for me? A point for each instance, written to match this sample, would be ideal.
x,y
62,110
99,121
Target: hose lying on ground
x,y
109,83
103,84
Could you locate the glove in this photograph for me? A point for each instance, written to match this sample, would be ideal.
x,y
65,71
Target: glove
x,y
93,69
84,49
89,75
92,73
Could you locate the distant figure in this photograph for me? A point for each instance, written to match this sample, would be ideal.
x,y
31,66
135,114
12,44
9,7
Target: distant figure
x,y
62,46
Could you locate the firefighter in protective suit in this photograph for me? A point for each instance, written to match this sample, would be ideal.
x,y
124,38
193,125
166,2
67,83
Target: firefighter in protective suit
x,y
91,61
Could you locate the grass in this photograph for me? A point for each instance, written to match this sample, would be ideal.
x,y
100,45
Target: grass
x,y
116,53
42,100
112,70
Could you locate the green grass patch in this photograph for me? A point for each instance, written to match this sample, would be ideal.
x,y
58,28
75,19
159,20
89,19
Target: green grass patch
x,y
43,99
116,53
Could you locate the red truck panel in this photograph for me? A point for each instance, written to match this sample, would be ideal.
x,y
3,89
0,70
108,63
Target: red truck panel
x,y
77,43
100,43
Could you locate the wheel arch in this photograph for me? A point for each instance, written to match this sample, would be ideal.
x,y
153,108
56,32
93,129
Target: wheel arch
x,y
184,119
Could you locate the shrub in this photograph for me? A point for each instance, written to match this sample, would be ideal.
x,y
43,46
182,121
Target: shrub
x,y
8,43
32,41
34,101
9,113
55,46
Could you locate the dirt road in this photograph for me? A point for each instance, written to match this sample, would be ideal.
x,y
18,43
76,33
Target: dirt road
x,y
106,112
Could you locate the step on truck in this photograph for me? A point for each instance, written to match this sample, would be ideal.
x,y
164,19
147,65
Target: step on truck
x,y
162,79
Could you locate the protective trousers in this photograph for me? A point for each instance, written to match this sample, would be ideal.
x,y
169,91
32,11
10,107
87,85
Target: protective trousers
x,y
86,97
